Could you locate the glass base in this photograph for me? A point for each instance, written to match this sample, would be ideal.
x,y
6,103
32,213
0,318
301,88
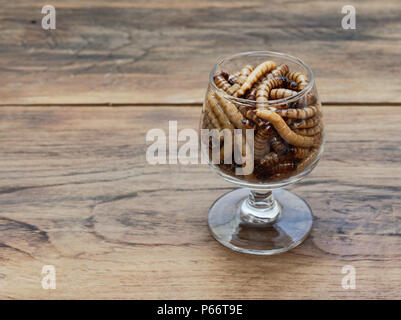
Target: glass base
x,y
291,227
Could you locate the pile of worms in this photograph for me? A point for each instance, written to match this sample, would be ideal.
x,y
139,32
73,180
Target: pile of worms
x,y
288,134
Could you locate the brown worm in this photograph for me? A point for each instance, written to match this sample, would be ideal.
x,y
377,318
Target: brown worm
x,y
308,160
283,167
221,82
260,141
306,123
212,117
255,75
249,124
280,71
252,116
225,75
300,153
210,122
307,112
310,99
234,77
252,94
284,131
309,131
277,145
299,78
263,91
305,101
244,110
231,111
270,159
291,84
245,72
281,93
289,122
218,111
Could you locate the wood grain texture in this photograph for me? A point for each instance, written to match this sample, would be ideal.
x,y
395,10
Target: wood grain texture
x,y
77,193
162,51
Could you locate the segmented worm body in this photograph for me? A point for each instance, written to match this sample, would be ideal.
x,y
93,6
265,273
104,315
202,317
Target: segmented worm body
x,y
211,122
234,77
302,165
263,91
252,94
300,153
309,131
224,74
245,72
289,122
306,123
252,116
304,113
305,101
299,78
291,84
284,131
280,71
212,117
249,124
231,111
277,145
281,93
218,111
270,159
221,82
283,167
243,110
310,99
255,75
260,141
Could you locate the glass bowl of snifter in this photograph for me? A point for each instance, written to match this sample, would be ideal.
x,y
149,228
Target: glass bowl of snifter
x,y
261,128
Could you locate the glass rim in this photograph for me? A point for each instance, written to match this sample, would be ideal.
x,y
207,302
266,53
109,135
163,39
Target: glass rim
x,y
291,58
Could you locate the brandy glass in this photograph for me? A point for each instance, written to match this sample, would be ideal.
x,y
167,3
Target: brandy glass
x,y
261,217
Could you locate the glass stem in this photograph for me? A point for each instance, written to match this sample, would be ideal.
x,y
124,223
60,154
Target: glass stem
x,y
260,208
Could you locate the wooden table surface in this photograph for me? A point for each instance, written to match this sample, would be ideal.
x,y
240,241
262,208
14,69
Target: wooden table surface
x,y
77,193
